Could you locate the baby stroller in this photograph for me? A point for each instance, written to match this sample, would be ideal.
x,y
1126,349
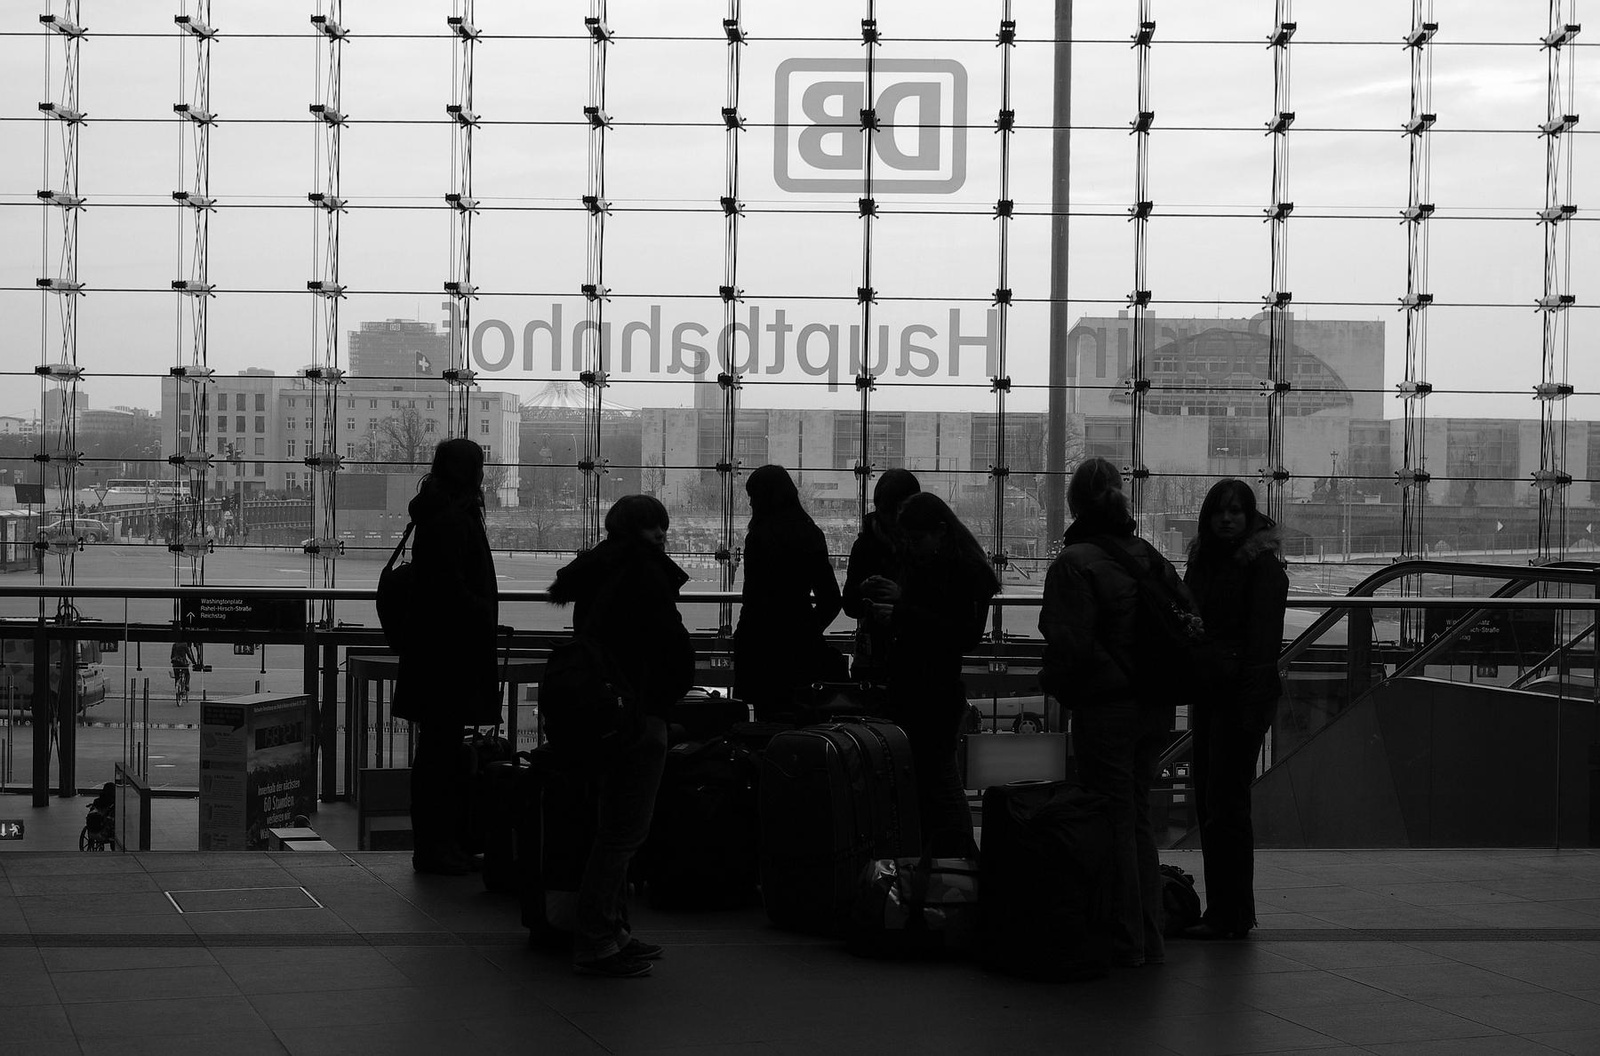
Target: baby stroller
x,y
100,827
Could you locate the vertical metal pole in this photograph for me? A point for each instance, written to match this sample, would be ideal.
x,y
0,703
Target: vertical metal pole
x,y
729,376
41,716
1055,442
1280,348
67,719
1552,479
1139,299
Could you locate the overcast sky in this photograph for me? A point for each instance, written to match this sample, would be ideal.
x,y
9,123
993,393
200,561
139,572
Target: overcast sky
x,y
799,251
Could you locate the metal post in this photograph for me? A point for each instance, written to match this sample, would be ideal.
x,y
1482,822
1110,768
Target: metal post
x,y
40,706
1055,443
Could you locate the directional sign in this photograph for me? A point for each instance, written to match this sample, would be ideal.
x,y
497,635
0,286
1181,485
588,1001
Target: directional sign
x,y
10,829
244,614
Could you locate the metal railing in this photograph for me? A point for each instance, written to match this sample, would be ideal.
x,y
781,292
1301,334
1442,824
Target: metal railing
x,y
1007,665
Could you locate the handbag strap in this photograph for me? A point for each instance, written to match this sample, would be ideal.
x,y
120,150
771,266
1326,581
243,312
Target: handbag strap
x,y
400,547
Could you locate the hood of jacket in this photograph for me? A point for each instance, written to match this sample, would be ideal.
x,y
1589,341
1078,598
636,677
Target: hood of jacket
x,y
1266,539
584,574
432,503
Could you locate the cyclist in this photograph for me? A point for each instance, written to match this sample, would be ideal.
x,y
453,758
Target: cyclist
x,y
184,657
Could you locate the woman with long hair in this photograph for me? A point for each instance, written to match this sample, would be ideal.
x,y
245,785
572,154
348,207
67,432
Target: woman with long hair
x,y
448,681
1091,654
936,618
1236,572
790,597
624,593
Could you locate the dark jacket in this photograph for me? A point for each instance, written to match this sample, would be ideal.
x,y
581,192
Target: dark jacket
x,y
625,593
940,617
1089,614
872,554
454,677
789,599
1242,592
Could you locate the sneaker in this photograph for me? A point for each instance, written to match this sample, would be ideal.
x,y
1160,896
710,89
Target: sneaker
x,y
617,966
640,950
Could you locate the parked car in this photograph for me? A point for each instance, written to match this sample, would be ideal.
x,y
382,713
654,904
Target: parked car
x,y
16,669
86,528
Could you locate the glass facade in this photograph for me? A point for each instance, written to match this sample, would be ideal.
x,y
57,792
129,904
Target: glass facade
x,y
654,268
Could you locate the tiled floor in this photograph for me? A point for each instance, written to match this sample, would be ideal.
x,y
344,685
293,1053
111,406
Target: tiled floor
x,y
1465,953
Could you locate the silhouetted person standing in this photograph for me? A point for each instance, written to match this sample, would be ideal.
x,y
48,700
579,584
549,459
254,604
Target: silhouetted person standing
x,y
624,593
936,619
1236,572
449,680
876,561
1090,623
790,597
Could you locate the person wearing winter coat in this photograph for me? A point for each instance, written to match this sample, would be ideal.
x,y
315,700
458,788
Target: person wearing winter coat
x,y
876,563
935,619
1236,573
449,680
1089,623
790,597
624,593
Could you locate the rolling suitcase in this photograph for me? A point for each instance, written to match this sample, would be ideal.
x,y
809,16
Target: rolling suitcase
x,y
509,813
1046,877
558,829
833,798
478,750
702,851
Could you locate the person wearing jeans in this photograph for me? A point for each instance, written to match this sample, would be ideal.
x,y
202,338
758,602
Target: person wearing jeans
x,y
624,594
1089,620
1119,746
627,802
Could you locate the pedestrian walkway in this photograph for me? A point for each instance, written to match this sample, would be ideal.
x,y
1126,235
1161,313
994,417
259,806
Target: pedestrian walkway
x,y
1493,952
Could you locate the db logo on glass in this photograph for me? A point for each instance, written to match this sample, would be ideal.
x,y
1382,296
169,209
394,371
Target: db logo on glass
x,y
921,143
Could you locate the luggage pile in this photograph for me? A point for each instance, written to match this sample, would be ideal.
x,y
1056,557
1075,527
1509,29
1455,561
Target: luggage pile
x,y
820,824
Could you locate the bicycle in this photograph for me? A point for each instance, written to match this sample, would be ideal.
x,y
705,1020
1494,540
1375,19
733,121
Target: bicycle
x,y
180,684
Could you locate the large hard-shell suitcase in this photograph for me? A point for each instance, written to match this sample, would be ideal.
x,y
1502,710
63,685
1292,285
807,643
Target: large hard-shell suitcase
x,y
479,749
559,830
1046,877
833,798
704,836
510,821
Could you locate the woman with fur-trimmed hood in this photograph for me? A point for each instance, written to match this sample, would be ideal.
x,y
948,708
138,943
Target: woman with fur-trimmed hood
x,y
1236,574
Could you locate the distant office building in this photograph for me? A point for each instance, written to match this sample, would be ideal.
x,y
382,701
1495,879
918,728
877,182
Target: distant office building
x,y
399,353
261,427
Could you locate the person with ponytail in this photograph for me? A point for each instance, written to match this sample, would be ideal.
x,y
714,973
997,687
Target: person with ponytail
x,y
1236,572
450,681
1091,654
935,619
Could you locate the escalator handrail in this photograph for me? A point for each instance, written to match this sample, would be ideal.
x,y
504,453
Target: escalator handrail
x,y
1519,578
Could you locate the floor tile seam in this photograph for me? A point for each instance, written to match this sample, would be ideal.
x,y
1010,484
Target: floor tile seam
x,y
1426,999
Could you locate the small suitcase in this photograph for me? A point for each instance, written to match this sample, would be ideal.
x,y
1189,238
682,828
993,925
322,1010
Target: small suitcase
x,y
1046,878
833,798
558,829
706,713
702,851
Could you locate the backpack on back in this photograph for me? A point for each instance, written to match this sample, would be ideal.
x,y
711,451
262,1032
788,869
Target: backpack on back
x,y
1168,635
586,706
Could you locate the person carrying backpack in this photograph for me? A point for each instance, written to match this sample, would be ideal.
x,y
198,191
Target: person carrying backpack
x,y
1100,636
624,594
1236,573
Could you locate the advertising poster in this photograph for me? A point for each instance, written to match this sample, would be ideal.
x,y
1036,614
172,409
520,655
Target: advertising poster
x,y
257,768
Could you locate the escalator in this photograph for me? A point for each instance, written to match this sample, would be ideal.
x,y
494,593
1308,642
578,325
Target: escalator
x,y
1447,717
